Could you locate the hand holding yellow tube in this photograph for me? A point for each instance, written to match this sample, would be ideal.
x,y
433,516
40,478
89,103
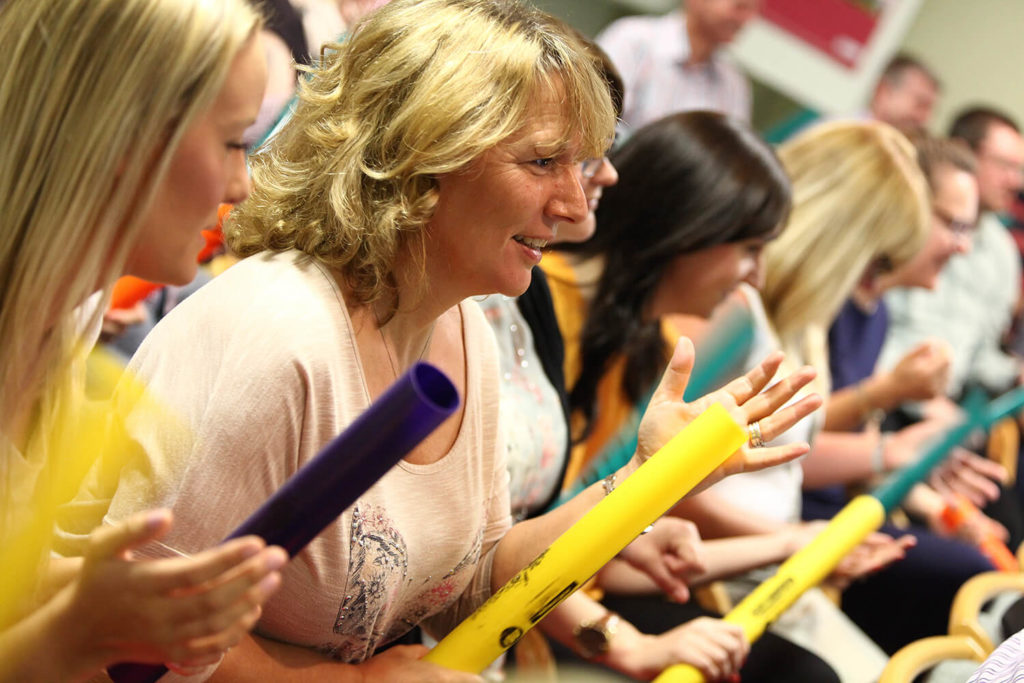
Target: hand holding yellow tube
x,y
805,569
590,543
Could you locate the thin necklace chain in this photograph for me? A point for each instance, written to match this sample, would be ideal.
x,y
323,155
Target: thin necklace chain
x,y
387,348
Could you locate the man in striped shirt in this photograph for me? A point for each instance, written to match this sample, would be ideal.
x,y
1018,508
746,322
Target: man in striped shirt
x,y
676,63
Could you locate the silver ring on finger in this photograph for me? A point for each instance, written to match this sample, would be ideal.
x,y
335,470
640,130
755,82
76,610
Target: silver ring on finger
x,y
754,429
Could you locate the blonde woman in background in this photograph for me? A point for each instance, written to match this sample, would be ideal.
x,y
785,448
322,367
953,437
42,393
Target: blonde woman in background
x,y
121,121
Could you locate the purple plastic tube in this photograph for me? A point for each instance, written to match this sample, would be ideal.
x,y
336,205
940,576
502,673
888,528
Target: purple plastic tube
x,y
346,468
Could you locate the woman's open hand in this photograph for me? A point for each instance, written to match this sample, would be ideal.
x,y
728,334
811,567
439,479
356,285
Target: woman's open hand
x,y
747,401
969,474
876,552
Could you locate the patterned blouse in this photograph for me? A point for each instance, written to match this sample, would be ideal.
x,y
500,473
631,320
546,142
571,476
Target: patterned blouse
x,y
531,413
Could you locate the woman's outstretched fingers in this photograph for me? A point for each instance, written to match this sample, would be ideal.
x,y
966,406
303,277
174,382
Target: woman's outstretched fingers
x,y
218,564
777,395
753,381
781,420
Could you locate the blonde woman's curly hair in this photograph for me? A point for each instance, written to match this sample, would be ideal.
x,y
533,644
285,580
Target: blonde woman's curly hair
x,y
422,88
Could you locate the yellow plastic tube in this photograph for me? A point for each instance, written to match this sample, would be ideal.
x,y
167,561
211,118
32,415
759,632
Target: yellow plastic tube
x,y
75,436
590,543
805,569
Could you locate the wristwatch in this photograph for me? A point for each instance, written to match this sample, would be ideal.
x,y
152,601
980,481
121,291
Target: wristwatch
x,y
593,638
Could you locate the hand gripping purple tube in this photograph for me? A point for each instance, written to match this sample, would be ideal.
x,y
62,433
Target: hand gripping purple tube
x,y
345,469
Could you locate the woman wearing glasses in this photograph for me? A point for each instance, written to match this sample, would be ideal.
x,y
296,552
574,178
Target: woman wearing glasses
x,y
736,198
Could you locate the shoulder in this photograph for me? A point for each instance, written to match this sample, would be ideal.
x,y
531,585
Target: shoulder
x,y
275,302
271,323
998,240
638,31
479,337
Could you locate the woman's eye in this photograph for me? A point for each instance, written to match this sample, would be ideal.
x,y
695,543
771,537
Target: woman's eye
x,y
545,162
238,146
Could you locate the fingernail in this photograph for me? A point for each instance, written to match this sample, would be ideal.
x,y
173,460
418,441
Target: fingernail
x,y
276,558
250,549
156,519
270,583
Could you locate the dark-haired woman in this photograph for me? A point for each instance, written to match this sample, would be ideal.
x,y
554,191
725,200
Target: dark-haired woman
x,y
653,259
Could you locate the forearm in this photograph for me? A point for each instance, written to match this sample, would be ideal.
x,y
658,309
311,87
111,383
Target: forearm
x,y
841,458
849,408
625,647
716,517
563,621
528,539
618,577
727,557
259,659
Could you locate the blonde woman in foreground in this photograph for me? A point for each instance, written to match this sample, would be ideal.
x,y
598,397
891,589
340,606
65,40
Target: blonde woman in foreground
x,y
122,121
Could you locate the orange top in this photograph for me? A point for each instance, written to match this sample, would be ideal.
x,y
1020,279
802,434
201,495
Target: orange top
x,y
571,299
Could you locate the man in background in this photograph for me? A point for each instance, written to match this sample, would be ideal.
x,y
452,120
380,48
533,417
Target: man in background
x,y
676,62
973,304
906,93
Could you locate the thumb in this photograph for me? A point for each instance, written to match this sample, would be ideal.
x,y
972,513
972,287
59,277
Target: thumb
x,y
681,568
120,538
677,374
925,348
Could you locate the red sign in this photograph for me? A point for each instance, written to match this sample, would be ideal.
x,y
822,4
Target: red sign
x,y
839,28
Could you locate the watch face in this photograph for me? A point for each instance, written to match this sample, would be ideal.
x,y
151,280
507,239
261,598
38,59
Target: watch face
x,y
592,641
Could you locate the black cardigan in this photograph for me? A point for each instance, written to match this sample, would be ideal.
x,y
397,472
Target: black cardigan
x,y
537,308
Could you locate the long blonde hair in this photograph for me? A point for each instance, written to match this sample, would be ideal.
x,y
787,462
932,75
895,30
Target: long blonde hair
x,y
94,98
858,195
422,88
